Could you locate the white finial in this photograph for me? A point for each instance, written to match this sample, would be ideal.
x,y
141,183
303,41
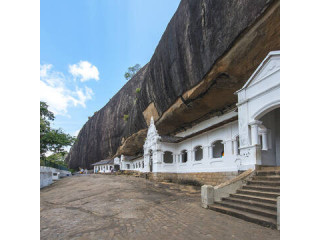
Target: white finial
x,y
151,121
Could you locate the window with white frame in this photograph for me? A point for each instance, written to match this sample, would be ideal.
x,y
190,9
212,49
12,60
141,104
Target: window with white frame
x,y
217,149
184,156
168,157
198,153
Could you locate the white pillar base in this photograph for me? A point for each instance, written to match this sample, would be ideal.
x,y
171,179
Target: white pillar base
x,y
206,195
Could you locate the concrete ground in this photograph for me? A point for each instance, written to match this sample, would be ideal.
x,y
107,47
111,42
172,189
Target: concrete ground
x,y
125,207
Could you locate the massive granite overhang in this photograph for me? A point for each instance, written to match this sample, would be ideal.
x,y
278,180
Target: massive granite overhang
x,y
208,51
215,92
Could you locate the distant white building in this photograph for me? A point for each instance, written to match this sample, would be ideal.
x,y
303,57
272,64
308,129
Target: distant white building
x,y
242,138
106,166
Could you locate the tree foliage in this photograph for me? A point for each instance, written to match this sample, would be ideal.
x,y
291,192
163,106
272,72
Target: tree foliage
x,y
53,140
132,71
58,158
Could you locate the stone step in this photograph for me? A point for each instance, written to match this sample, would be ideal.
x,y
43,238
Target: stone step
x,y
251,203
269,168
254,198
275,178
264,183
249,208
267,172
262,188
258,193
250,217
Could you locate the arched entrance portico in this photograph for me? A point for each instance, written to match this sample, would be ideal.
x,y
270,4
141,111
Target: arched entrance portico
x,y
259,115
269,134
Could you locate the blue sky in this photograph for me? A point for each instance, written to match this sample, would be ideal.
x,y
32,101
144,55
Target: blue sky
x,y
86,47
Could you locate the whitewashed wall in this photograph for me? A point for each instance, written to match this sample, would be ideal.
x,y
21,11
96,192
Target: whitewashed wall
x,y
46,175
226,163
135,165
45,179
227,134
105,168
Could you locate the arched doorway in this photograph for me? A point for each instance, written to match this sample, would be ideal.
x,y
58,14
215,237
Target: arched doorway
x,y
150,160
270,153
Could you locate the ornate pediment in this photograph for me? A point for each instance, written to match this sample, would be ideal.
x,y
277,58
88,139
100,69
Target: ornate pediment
x,y
269,66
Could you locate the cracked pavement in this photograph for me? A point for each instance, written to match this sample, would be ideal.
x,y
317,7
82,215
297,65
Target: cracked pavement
x,y
125,207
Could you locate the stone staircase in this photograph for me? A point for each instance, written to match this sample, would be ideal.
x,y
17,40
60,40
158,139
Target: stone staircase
x,y
256,201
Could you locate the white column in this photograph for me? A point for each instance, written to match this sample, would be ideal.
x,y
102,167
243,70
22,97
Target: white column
x,y
190,153
254,132
264,140
235,147
227,145
210,152
206,152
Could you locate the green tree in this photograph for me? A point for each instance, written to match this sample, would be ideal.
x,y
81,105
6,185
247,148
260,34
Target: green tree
x,y
132,71
57,157
53,140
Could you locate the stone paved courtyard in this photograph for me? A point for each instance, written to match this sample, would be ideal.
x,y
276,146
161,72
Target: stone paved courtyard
x,y
125,207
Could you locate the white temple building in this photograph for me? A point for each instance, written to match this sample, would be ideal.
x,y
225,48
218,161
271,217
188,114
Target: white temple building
x,y
106,166
238,140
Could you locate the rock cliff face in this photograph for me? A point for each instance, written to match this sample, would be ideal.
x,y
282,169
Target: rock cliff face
x,y
208,51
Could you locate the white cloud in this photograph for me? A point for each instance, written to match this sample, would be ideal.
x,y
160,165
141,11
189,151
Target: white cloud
x,y
85,70
54,91
44,69
76,133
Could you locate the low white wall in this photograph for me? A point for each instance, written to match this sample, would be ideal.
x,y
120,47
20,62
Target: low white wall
x,y
211,194
46,173
63,173
45,179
